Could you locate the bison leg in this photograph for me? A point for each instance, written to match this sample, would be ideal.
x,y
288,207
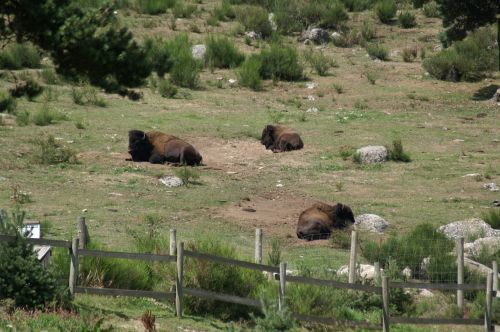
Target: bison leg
x,y
157,159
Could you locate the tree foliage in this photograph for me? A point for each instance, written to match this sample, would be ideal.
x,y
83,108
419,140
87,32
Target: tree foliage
x,y
83,43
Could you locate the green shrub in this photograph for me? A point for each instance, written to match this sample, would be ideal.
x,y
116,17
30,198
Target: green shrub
x,y
356,158
347,39
221,53
335,16
367,31
280,62
46,116
357,5
7,102
319,62
409,54
224,12
49,76
22,118
386,10
469,60
87,95
274,258
396,153
418,3
431,9
492,217
167,89
274,319
249,73
406,19
371,76
153,7
22,278
185,70
339,88
254,18
221,278
288,16
29,88
183,10
377,51
49,152
159,54
18,56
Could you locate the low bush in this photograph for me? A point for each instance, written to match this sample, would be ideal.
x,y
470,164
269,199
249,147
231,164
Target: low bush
x,y
357,5
409,54
224,12
348,38
492,217
87,95
46,116
396,152
280,62
49,152
7,102
334,16
166,89
49,76
17,56
249,73
183,10
23,118
221,53
274,319
469,60
319,62
406,19
159,54
368,31
22,278
29,88
377,51
254,18
386,10
153,7
431,9
185,69
418,3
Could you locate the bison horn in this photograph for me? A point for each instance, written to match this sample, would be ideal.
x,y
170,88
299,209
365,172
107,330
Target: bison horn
x,y
144,137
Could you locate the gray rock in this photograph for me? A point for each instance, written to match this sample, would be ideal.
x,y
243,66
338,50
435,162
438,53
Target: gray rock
x,y
312,110
492,186
496,96
365,271
198,51
490,244
470,228
272,21
371,223
316,35
253,35
372,154
311,85
171,181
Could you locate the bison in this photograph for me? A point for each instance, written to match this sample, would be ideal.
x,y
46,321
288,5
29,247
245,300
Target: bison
x,y
280,139
158,148
318,221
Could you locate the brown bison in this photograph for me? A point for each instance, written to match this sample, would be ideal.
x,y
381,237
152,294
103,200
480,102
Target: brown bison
x,y
159,148
280,139
318,221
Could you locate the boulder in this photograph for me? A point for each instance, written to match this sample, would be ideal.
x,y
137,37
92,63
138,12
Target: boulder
x,y
372,154
253,35
171,181
491,244
371,223
365,271
312,110
473,227
198,51
316,35
492,186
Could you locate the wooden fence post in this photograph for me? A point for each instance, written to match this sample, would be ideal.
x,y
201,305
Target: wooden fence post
x,y
173,242
495,276
281,299
178,280
352,259
460,272
376,267
385,302
489,299
258,245
82,232
73,267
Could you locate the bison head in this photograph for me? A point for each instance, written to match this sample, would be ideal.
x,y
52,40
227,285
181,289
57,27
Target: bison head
x,y
139,145
267,138
342,216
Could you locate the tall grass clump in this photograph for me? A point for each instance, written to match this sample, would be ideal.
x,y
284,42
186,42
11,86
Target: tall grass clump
x,y
7,102
280,62
470,59
274,319
396,152
409,54
249,73
357,5
386,10
185,69
407,20
17,56
367,31
377,51
183,10
166,89
49,76
220,278
49,152
254,18
319,62
224,12
46,116
492,217
334,16
29,88
431,9
153,7
221,53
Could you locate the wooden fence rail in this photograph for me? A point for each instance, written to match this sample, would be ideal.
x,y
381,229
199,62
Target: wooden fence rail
x,y
178,256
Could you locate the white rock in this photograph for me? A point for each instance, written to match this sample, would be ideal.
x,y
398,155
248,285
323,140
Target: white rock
x,y
311,98
253,35
371,223
311,85
198,51
312,110
490,244
317,35
473,227
373,154
425,293
272,21
232,81
171,181
472,175
492,186
365,271
407,272
336,35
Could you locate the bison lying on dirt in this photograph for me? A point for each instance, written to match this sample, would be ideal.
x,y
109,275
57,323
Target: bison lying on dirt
x,y
280,139
318,221
158,148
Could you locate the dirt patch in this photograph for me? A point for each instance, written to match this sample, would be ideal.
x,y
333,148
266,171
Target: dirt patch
x,y
276,213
